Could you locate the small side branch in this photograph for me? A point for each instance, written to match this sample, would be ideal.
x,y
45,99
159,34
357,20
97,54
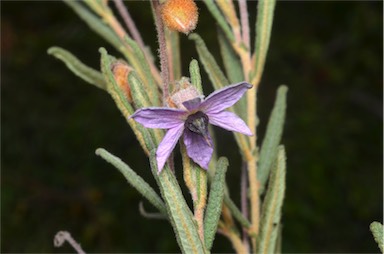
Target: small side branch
x,y
129,22
244,23
63,236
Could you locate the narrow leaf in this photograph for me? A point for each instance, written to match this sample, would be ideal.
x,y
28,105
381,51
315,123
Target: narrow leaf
x,y
215,202
194,72
272,137
377,232
215,74
220,19
134,180
178,210
231,61
271,210
94,23
143,135
139,94
141,65
234,71
265,10
81,70
236,212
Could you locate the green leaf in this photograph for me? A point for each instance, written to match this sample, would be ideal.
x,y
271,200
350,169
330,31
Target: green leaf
x,y
94,23
181,216
138,92
143,135
236,212
231,61
265,10
220,19
271,210
134,180
140,64
81,70
377,232
234,71
215,74
272,137
215,202
194,72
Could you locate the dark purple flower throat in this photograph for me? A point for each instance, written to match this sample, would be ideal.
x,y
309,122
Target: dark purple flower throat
x,y
198,123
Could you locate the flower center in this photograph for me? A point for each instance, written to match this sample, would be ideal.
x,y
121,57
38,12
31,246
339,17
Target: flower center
x,y
198,123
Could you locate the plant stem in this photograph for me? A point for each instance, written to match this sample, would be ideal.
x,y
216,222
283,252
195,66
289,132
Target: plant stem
x,y
63,236
129,22
234,238
244,201
164,66
244,23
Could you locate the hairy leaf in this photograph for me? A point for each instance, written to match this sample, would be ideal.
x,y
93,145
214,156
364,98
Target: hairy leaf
x,y
271,210
181,216
194,72
215,202
215,74
377,232
265,10
272,137
81,70
134,180
143,135
211,5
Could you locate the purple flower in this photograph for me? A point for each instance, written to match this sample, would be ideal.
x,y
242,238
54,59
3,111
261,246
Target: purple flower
x,y
192,123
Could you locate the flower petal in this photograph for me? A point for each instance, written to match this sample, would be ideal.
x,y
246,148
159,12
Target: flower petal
x,y
229,121
167,145
197,148
192,104
163,118
225,97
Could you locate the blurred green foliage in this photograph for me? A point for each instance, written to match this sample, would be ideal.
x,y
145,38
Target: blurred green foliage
x,y
328,53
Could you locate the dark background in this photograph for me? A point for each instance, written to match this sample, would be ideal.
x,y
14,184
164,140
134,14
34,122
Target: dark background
x,y
328,53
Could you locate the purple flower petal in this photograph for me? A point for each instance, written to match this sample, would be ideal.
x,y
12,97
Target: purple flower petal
x,y
229,121
225,97
167,145
192,104
163,118
197,148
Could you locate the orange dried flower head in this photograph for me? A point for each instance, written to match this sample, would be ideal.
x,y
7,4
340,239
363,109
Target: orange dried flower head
x,y
180,15
120,72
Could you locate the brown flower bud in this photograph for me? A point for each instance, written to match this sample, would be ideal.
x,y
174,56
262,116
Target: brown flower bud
x,y
120,72
180,15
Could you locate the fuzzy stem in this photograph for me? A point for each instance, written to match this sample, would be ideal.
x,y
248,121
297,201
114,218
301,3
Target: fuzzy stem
x,y
233,237
244,202
229,11
244,23
201,183
254,198
162,50
129,22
